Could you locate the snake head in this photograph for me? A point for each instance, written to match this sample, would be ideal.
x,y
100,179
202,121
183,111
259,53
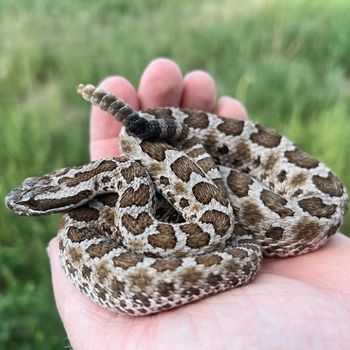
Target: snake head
x,y
45,195
27,198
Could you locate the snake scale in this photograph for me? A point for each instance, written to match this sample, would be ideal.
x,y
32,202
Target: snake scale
x,y
187,211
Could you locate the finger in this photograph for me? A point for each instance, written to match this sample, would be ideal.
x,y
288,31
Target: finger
x,y
323,268
104,129
199,91
160,84
231,108
83,320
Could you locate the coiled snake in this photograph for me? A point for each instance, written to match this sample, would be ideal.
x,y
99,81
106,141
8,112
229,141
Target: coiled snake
x,y
187,211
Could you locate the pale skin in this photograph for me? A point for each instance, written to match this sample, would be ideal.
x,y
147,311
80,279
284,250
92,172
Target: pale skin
x,y
294,303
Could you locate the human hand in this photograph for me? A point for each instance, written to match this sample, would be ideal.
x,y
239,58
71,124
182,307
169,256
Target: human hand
x,y
300,302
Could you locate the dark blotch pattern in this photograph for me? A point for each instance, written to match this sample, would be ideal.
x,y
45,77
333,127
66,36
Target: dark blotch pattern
x,y
231,126
301,159
315,206
183,167
219,220
329,185
266,137
239,183
196,119
276,203
205,192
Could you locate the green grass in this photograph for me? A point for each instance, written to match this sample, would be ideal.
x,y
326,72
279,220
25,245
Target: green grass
x,y
288,61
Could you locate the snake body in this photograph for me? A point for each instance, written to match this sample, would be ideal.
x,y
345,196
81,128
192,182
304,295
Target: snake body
x,y
189,209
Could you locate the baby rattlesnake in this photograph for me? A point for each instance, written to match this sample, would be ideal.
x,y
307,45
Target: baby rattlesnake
x,y
187,211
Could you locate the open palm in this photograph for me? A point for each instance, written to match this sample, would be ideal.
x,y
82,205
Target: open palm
x,y
293,303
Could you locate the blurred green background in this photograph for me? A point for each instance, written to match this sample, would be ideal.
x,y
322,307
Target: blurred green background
x,y
287,61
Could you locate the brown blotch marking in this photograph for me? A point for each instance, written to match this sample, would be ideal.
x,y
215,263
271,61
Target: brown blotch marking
x,y
266,137
231,126
184,203
276,203
210,141
329,185
126,146
164,181
46,204
117,287
126,260
315,206
219,220
138,225
159,112
190,143
191,275
205,192
133,171
102,272
242,153
301,159
298,179
239,230
139,197
196,152
109,200
239,253
179,188
183,167
165,239
85,214
108,216
155,168
223,149
141,279
105,165
98,250
208,260
282,176
251,213
271,161
196,237
165,289
169,264
86,272
81,234
196,119
239,183
275,233
214,279
75,254
306,229
155,150
206,164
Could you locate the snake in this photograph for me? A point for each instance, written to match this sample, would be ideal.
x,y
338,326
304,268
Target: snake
x,y
187,211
